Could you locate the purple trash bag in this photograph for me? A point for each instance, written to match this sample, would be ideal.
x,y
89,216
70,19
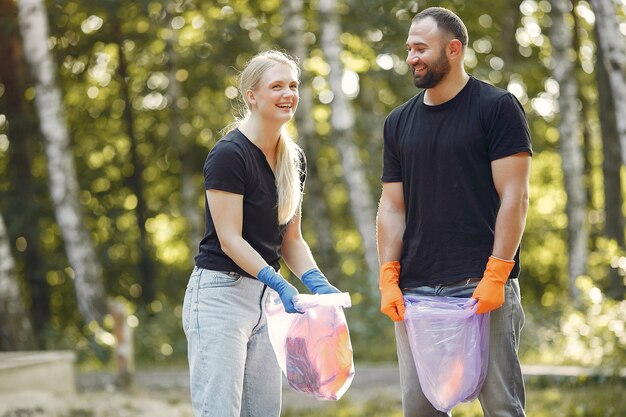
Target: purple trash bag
x,y
313,349
450,347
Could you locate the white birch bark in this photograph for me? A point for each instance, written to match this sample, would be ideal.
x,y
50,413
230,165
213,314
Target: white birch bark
x,y
570,142
63,181
342,122
611,40
16,330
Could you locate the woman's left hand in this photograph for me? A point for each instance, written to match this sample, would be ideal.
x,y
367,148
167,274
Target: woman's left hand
x,y
317,282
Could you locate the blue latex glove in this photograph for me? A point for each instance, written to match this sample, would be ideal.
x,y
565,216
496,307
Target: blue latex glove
x,y
285,290
317,282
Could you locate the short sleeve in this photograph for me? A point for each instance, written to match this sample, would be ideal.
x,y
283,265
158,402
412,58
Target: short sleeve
x,y
391,161
224,168
508,130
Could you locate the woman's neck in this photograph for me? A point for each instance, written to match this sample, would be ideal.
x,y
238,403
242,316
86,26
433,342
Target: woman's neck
x,y
263,136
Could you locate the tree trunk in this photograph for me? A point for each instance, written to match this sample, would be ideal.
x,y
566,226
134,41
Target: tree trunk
x,y
180,145
509,22
23,191
611,41
342,121
570,141
124,349
586,129
16,332
611,166
146,268
315,205
64,188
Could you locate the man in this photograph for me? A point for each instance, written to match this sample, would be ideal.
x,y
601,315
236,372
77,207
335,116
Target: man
x,y
453,205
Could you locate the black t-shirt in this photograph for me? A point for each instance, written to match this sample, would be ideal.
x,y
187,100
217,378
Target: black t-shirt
x,y
442,155
238,166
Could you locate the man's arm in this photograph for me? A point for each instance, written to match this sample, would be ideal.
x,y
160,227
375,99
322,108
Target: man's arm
x,y
510,177
390,222
390,225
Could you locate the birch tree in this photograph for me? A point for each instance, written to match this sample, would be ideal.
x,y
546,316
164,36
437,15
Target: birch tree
x,y
611,41
146,269
63,182
611,171
15,326
342,122
315,205
570,141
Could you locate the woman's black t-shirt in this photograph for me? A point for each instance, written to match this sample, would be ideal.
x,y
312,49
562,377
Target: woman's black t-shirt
x,y
238,166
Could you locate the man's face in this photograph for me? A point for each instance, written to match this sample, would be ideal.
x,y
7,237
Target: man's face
x,y
426,53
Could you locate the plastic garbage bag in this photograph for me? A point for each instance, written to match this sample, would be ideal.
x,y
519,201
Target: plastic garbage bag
x,y
450,347
313,349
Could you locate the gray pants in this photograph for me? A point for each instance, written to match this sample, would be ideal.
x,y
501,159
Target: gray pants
x,y
503,393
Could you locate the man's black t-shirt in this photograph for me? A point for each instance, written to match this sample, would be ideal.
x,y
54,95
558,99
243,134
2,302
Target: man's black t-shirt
x,y
442,155
238,166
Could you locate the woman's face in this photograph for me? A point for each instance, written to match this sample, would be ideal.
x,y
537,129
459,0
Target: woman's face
x,y
276,95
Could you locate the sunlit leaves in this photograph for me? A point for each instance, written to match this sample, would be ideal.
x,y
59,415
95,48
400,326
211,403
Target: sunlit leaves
x,y
165,231
183,59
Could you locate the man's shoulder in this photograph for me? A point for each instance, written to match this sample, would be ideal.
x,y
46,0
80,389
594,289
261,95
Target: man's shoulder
x,y
406,107
488,92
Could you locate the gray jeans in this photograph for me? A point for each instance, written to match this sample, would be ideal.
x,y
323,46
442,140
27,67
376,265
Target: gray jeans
x,y
233,369
503,393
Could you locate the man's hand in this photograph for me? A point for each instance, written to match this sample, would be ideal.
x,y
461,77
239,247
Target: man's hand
x,y
490,290
391,301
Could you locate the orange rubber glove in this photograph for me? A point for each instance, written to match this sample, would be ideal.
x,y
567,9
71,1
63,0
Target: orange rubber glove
x,y
391,301
490,290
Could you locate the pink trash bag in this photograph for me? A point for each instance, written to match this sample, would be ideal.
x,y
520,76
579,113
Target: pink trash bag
x,y
313,349
450,347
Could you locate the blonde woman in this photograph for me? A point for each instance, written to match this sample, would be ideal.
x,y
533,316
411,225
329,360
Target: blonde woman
x,y
253,179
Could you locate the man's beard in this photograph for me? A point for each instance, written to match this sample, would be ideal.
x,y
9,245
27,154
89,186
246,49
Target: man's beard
x,y
434,73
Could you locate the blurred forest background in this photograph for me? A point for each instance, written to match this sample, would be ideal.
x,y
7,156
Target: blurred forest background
x,y
108,109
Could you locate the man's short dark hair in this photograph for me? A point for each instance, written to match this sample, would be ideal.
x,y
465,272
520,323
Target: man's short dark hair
x,y
446,21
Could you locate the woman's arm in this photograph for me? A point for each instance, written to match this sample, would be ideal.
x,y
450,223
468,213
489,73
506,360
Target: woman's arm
x,y
299,259
295,250
227,213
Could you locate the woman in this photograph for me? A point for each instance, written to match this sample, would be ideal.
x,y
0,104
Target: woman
x,y
253,179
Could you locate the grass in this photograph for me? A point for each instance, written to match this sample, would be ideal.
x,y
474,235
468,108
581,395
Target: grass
x,y
564,400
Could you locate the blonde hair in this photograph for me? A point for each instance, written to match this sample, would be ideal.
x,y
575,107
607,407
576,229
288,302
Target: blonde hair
x,y
288,157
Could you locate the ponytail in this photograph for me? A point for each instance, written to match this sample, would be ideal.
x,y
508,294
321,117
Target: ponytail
x,y
288,170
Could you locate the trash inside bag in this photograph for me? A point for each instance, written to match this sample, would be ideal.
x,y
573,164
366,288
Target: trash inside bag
x,y
450,347
313,349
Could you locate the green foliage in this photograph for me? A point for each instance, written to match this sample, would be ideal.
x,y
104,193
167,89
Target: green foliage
x,y
178,93
591,334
